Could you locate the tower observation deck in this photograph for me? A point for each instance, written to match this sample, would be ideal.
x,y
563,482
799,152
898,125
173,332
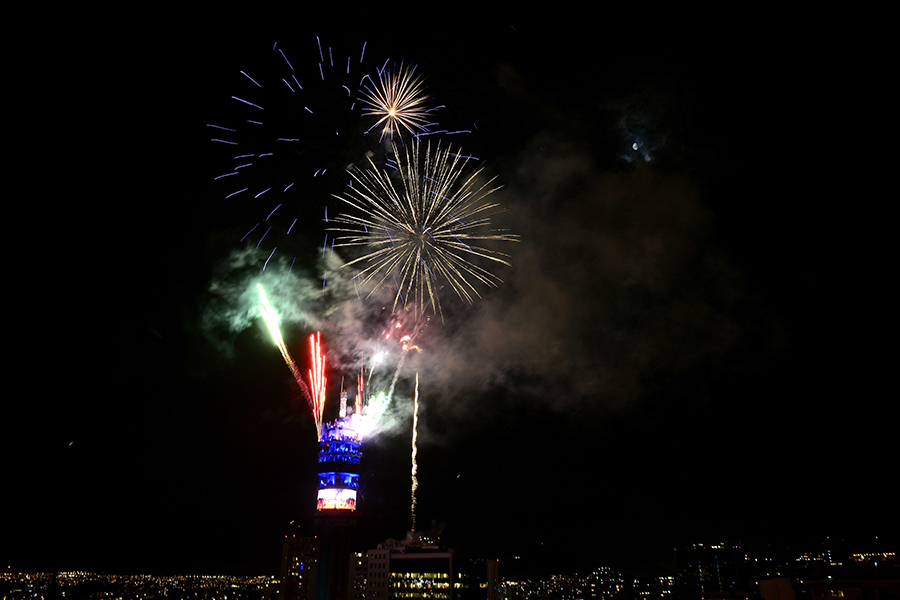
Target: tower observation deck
x,y
339,457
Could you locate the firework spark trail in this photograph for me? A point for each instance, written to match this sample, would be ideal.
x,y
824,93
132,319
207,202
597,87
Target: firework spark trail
x,y
317,380
415,481
271,320
419,232
261,126
360,394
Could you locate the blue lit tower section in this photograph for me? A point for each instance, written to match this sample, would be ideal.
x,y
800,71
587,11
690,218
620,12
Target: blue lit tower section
x,y
339,456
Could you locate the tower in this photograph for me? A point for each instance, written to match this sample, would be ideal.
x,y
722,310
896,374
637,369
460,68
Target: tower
x,y
339,457
338,471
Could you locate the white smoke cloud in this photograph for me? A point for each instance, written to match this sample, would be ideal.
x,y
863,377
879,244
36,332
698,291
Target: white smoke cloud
x,y
614,284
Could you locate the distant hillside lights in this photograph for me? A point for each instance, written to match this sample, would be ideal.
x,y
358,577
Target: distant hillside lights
x,y
874,557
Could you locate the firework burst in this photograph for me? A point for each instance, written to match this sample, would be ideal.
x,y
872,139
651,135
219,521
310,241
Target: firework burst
x,y
419,226
289,125
398,101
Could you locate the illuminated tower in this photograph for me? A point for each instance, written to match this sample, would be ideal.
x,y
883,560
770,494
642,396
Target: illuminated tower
x,y
339,458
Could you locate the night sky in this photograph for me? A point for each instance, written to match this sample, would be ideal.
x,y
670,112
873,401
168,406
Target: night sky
x,y
684,350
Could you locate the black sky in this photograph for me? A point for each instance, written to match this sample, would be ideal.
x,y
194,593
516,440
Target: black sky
x,y
684,350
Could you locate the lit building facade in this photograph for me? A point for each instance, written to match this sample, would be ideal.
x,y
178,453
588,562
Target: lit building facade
x,y
426,571
706,570
298,568
358,571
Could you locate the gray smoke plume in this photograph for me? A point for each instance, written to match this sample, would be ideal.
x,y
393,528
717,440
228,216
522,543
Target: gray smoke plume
x,y
615,286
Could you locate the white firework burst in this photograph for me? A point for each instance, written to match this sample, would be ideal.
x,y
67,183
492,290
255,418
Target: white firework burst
x,y
420,230
398,101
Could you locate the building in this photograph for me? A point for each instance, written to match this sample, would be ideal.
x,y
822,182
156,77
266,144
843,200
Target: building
x,y
709,570
777,588
338,470
358,572
418,568
298,568
339,459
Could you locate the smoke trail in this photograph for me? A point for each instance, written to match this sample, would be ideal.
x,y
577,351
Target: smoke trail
x,y
232,301
416,330
390,394
415,481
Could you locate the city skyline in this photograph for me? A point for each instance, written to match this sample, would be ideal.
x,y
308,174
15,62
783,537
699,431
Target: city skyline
x,y
682,349
810,559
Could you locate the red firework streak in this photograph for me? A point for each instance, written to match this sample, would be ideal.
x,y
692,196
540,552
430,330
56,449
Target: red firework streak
x,y
317,380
